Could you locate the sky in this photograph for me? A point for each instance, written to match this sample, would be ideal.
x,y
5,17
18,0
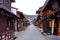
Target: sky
x,y
28,7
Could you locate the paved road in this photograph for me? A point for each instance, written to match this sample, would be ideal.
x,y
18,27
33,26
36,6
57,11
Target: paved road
x,y
52,37
31,33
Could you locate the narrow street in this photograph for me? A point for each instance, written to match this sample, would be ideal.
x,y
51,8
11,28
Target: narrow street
x,y
29,19
31,33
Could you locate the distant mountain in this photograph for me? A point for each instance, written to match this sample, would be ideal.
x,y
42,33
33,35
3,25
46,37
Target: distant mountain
x,y
30,17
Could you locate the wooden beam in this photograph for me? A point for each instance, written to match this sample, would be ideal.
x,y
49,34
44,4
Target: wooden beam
x,y
45,4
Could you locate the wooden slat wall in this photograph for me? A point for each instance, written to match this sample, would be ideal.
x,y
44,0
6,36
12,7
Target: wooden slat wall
x,y
7,35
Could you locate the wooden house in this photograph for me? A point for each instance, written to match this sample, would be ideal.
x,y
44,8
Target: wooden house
x,y
51,19
20,21
7,20
53,8
40,17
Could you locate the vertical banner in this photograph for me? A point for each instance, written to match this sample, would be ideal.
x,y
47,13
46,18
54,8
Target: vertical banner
x,y
52,31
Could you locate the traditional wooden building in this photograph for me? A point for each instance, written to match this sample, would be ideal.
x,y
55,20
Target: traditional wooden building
x,y
51,17
40,17
20,21
7,20
52,9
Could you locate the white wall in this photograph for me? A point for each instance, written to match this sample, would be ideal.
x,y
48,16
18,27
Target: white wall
x,y
14,10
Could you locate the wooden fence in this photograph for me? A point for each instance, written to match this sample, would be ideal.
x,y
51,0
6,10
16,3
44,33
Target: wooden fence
x,y
7,35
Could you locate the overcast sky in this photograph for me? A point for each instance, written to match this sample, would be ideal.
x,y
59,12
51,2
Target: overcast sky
x,y
28,6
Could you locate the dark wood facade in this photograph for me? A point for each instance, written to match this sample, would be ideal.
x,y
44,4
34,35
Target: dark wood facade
x,y
7,20
20,21
53,7
51,11
6,17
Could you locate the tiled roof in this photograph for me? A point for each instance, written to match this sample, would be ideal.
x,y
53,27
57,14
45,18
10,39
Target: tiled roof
x,y
4,8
